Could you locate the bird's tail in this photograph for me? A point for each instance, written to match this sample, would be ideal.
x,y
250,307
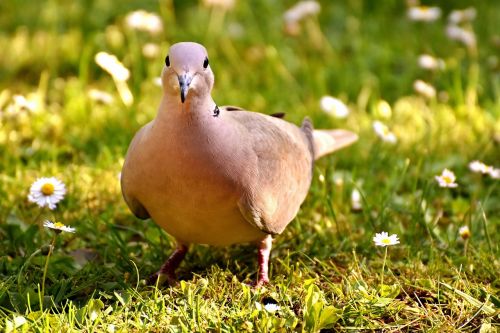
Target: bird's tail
x,y
328,141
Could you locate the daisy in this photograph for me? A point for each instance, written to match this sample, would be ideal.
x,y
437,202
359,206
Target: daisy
x,y
151,50
383,132
47,192
297,13
480,167
466,37
144,21
100,96
271,307
301,10
427,61
464,232
112,65
465,15
58,227
425,89
494,173
23,103
383,239
446,179
424,13
356,204
334,107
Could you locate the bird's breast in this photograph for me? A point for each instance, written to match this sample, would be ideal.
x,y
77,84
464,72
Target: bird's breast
x,y
192,191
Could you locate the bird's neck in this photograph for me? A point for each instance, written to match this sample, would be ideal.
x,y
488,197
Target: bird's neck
x,y
194,111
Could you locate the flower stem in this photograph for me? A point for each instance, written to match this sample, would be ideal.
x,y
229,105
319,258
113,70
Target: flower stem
x,y
52,244
383,267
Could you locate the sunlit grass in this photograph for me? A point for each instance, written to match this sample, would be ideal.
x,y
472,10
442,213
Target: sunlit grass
x,y
325,269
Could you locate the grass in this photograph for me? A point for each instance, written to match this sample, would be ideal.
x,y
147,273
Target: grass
x,y
325,269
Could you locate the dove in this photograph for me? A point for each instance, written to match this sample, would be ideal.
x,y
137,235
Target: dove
x,y
218,175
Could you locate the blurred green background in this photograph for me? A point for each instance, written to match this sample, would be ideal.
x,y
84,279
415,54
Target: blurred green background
x,y
365,53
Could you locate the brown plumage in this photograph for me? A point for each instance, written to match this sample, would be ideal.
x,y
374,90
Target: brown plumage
x,y
218,175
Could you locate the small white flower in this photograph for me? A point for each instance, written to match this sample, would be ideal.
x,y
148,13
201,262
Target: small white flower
x,y
321,178
427,61
425,89
15,324
494,173
480,167
22,103
458,16
464,232
334,107
47,192
301,10
58,226
100,96
383,132
383,239
271,307
112,65
144,21
223,4
446,179
356,204
424,13
466,37
151,50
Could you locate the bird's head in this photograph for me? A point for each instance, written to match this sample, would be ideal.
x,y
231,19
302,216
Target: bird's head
x,y
187,71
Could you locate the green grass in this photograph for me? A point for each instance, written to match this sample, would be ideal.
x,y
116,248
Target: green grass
x,y
326,272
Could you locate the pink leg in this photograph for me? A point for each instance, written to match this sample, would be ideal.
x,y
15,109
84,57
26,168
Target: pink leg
x,y
265,246
167,270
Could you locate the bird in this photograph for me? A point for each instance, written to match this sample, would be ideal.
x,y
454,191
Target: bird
x,y
218,175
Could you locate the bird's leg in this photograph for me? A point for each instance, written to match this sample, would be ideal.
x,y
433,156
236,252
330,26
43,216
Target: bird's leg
x,y
265,246
167,270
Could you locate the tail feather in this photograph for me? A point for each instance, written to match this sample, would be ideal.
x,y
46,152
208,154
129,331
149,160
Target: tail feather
x,y
328,141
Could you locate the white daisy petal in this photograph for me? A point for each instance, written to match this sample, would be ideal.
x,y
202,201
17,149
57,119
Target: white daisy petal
x,y
334,107
383,239
144,21
47,192
446,179
383,132
271,307
424,13
58,226
464,232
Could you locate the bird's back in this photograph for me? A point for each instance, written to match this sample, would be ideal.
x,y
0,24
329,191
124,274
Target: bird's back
x,y
284,157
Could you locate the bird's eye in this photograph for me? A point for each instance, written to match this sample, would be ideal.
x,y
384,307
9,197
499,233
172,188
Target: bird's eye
x,y
167,61
205,63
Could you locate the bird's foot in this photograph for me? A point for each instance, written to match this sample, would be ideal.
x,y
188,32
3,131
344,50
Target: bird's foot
x,y
260,282
158,279
167,270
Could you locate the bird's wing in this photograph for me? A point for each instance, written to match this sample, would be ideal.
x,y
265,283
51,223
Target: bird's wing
x,y
127,177
280,162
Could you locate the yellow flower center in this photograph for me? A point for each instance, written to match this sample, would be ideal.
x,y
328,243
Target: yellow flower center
x,y
447,180
59,225
48,189
386,241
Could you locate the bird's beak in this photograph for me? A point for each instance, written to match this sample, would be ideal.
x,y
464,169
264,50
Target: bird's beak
x,y
184,82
